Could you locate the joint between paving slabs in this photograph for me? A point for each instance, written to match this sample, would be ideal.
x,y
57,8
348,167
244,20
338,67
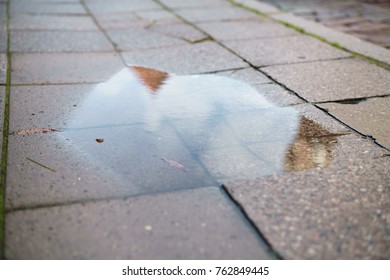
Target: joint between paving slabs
x,y
270,250
3,171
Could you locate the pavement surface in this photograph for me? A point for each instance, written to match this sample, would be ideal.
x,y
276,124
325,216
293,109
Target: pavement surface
x,y
170,129
367,19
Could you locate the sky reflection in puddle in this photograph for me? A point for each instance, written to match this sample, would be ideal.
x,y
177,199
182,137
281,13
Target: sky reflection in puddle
x,y
162,131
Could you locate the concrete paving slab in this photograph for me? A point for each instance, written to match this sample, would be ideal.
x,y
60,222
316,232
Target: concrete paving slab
x,y
75,67
248,29
3,41
120,6
59,41
45,106
120,21
247,75
369,117
198,58
197,15
180,31
3,68
139,39
284,50
333,80
36,7
195,224
278,95
179,4
331,213
52,22
2,103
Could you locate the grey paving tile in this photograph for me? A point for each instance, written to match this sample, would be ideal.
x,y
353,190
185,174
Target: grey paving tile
x,y
120,6
246,75
369,117
129,162
198,15
181,31
45,106
333,80
3,41
195,224
59,41
142,19
2,102
3,68
140,39
52,7
63,67
284,50
277,95
246,29
175,4
52,22
331,213
198,58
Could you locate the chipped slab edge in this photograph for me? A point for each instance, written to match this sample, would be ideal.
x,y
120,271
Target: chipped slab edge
x,y
346,41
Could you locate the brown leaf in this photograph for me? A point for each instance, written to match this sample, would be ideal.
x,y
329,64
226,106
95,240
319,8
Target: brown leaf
x,y
174,164
99,140
35,131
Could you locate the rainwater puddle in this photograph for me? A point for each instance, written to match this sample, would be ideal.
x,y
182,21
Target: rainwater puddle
x,y
161,131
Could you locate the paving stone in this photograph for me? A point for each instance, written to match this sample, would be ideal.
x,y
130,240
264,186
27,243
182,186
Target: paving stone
x,y
197,58
3,41
175,4
59,41
333,80
248,29
121,21
119,6
63,67
278,95
139,39
194,224
2,102
215,14
45,106
180,31
3,68
369,117
35,7
246,75
87,169
260,6
52,22
332,213
284,50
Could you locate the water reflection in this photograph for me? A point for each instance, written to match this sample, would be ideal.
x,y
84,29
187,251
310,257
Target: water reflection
x,y
155,125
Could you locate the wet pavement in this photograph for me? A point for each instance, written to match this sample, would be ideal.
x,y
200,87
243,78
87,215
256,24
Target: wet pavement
x,y
188,130
366,19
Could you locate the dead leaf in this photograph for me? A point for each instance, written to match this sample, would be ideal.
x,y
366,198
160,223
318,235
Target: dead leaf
x,y
174,163
35,131
99,140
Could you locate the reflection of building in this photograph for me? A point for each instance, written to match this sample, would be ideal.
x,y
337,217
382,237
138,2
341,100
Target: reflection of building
x,y
311,148
151,78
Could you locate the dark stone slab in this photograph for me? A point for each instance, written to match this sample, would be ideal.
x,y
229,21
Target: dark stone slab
x,y
194,224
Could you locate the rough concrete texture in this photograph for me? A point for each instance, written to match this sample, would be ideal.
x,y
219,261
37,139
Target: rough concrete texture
x,y
369,117
98,7
247,75
194,224
278,95
283,50
333,80
179,4
335,211
3,68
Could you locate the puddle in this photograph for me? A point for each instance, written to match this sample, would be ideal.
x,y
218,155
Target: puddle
x,y
163,131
